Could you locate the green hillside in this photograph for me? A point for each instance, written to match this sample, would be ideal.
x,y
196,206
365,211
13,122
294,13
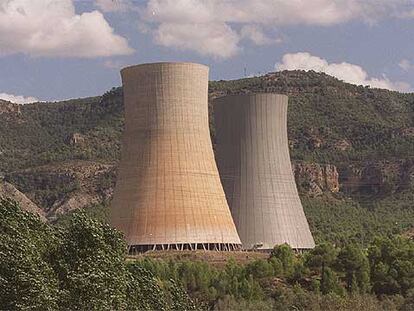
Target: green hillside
x,y
365,136
82,265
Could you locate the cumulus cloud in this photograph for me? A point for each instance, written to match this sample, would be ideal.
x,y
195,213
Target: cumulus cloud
x,y
211,39
18,99
189,25
344,71
113,64
257,36
408,13
52,28
247,19
406,65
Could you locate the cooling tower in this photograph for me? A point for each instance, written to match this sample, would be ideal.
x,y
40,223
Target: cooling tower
x,y
168,193
254,164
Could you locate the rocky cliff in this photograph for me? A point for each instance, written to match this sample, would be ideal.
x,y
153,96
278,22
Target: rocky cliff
x,y
314,179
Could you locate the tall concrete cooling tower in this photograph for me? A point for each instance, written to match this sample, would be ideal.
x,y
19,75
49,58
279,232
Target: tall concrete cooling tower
x,y
254,164
168,193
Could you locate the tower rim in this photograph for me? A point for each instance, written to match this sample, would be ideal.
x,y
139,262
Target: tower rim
x,y
256,94
132,67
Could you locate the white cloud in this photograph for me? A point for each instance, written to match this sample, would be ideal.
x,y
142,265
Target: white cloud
x,y
409,13
257,36
406,65
52,28
217,40
18,99
344,71
113,64
248,19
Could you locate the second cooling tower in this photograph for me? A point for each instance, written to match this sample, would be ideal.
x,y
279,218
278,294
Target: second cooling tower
x,y
168,193
253,159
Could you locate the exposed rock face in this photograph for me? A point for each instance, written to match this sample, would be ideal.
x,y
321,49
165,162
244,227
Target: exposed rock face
x,y
314,139
67,186
9,191
342,145
10,111
314,179
409,234
9,108
95,183
378,178
407,132
77,200
77,139
315,142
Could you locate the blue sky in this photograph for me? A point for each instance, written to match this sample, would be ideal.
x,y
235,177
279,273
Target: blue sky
x,y
61,49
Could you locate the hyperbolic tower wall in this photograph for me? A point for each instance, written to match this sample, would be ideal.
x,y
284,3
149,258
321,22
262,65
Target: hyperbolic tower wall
x,y
254,164
168,193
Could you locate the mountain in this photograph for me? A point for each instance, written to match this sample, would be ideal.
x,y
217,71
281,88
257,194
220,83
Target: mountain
x,y
352,149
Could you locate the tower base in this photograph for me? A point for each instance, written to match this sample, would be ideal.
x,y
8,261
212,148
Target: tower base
x,y
220,247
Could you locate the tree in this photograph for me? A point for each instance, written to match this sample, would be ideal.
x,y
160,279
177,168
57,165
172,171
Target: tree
x,y
354,264
321,257
260,268
285,254
392,265
91,265
26,244
330,283
143,293
79,266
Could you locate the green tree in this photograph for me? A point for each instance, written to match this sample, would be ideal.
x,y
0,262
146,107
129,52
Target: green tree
x,y
354,264
392,265
260,268
331,283
27,282
78,266
179,299
321,257
143,292
91,265
285,254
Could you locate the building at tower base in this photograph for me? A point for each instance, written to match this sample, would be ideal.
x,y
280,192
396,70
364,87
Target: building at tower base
x,y
255,169
168,193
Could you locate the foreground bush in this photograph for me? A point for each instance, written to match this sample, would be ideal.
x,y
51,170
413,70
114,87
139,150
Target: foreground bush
x,y
80,266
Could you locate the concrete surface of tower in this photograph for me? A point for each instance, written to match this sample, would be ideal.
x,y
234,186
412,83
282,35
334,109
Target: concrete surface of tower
x,y
168,193
254,164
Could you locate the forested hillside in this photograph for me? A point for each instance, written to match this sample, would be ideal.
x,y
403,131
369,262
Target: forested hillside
x,y
81,264
352,148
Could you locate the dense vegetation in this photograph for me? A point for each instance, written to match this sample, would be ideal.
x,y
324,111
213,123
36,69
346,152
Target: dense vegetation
x,y
380,277
81,265
340,221
42,133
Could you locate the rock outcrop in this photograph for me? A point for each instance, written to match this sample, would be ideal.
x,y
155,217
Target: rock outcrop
x,y
10,111
65,187
7,190
77,139
377,178
314,179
